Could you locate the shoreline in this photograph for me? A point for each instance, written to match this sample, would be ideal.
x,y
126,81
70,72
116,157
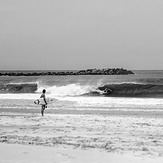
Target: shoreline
x,y
72,112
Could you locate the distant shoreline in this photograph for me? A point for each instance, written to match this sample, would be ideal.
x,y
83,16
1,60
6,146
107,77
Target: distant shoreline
x,y
105,71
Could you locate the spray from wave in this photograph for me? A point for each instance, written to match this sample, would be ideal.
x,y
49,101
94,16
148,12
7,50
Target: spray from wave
x,y
67,90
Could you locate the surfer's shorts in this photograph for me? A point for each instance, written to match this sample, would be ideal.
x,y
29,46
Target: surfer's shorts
x,y
45,106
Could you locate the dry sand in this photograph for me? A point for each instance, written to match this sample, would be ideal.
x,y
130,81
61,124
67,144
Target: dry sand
x,y
80,139
15,153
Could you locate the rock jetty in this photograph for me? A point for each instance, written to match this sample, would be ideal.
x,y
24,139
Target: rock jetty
x,y
106,71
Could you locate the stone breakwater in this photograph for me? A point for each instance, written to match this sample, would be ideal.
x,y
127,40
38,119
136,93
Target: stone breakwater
x,y
106,71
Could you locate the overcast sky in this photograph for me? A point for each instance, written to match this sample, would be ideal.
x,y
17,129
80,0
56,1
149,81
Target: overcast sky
x,y
81,34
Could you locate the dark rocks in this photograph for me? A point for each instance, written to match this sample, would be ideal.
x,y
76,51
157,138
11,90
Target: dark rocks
x,y
106,71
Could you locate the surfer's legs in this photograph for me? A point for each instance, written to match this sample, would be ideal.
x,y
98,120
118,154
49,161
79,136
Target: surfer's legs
x,y
42,109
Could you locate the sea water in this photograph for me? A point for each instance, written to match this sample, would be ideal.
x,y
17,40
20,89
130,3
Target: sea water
x,y
80,92
124,122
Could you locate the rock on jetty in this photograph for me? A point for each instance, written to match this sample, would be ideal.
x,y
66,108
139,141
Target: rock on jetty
x,y
106,71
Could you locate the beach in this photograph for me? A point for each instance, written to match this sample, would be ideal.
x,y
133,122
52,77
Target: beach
x,y
37,154
79,138
81,124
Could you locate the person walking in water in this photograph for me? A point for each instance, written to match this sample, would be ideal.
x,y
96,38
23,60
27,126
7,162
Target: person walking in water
x,y
43,106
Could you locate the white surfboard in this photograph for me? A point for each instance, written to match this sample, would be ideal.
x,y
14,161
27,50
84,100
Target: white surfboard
x,y
41,101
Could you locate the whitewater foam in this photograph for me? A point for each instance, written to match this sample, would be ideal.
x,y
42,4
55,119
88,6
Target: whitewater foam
x,y
67,90
23,83
19,96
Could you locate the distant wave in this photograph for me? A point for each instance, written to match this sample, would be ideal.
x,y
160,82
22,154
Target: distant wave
x,y
29,87
156,81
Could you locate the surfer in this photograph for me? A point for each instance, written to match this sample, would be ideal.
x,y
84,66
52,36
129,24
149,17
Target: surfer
x,y
108,91
43,106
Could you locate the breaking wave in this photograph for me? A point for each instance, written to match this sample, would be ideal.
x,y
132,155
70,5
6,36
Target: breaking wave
x,y
132,90
113,90
67,90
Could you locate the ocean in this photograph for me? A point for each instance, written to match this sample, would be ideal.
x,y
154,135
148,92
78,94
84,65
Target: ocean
x,y
82,114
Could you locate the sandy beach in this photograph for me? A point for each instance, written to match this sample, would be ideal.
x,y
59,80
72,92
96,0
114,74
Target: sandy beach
x,y
11,153
79,138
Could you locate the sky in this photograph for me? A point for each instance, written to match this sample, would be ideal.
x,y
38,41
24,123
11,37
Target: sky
x,y
81,34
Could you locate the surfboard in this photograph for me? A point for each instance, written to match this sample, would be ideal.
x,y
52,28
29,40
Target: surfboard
x,y
41,101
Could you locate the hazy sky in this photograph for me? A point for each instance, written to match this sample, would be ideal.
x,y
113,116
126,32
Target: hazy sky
x,y
80,34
